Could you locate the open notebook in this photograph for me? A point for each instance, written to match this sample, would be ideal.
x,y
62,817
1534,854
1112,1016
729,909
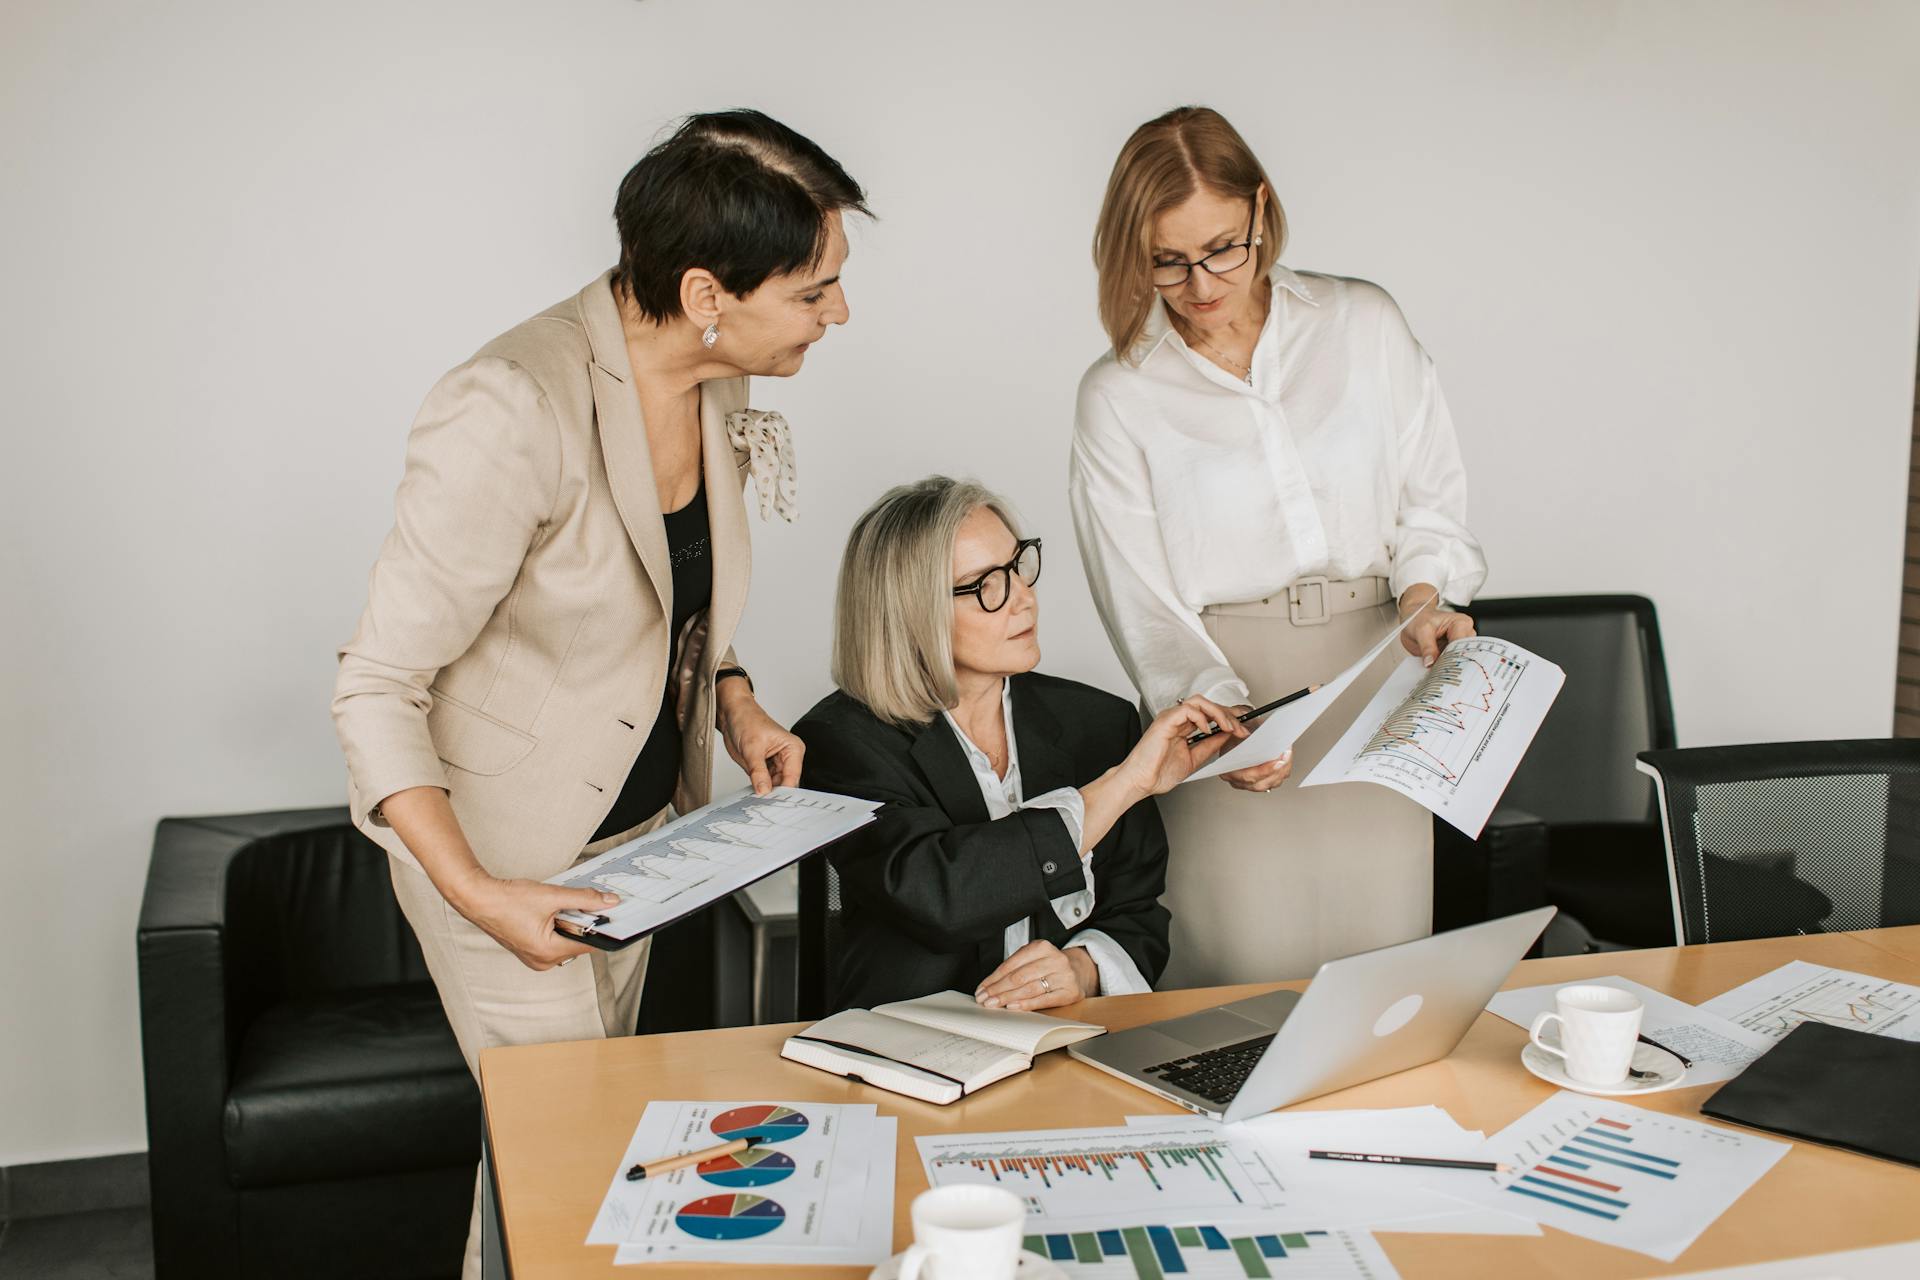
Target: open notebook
x,y
937,1048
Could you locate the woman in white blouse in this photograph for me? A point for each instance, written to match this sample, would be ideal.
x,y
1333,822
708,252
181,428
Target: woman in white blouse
x,y
1263,471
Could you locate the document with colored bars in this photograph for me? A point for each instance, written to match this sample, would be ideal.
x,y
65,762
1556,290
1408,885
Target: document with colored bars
x,y
704,855
1182,1201
1448,736
1620,1174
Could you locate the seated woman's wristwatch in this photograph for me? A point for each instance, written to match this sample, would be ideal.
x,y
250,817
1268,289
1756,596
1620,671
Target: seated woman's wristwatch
x,y
725,672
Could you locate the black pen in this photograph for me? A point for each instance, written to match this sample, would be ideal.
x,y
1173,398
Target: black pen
x,y
1275,705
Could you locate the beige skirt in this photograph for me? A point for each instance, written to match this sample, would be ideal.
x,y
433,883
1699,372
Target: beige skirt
x,y
1267,887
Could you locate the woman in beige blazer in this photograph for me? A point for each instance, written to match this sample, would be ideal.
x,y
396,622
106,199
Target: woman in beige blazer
x,y
545,654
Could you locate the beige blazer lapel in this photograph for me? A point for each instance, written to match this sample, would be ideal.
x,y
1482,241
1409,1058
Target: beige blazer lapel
x,y
623,438
726,507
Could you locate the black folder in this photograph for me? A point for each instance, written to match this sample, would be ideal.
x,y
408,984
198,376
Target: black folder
x,y
1830,1085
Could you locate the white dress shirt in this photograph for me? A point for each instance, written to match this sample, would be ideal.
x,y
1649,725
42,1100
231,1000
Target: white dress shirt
x,y
1191,487
1119,976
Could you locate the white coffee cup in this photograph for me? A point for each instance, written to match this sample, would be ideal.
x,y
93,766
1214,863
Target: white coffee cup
x,y
965,1233
1599,1027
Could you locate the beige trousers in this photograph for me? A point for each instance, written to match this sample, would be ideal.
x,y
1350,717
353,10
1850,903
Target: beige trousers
x,y
492,999
1267,887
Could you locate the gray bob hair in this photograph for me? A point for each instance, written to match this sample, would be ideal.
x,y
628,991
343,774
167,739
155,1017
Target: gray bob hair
x,y
893,614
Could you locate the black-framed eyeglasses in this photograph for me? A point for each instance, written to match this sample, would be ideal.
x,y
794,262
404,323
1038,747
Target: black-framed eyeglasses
x,y
995,587
1167,275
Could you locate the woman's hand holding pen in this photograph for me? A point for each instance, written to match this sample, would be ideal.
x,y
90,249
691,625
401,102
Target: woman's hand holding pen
x,y
1163,757
519,915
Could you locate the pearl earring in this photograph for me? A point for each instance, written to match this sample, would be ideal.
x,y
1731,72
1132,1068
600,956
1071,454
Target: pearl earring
x,y
711,336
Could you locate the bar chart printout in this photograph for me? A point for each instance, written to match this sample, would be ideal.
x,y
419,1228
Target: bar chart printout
x,y
1085,1177
1227,1251
1621,1175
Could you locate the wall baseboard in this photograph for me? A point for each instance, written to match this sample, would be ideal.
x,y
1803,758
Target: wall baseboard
x,y
73,1186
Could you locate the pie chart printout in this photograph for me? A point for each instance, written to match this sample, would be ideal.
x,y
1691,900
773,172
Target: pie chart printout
x,y
753,1167
770,1122
730,1217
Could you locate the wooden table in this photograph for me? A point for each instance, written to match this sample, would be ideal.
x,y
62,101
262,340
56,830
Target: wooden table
x,y
558,1118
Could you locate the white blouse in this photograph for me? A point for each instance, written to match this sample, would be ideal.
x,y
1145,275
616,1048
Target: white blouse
x,y
1119,975
1192,488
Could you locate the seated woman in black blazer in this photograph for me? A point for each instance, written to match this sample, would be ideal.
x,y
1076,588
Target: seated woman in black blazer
x,y
1019,855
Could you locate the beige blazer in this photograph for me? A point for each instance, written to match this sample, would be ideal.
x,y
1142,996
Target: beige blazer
x,y
514,643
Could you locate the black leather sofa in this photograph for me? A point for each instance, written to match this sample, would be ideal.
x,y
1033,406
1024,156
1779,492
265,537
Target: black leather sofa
x,y
308,1112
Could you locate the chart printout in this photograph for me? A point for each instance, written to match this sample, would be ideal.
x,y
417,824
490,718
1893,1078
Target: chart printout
x,y
1085,1177
1206,1251
1621,1175
1448,736
805,1191
712,851
1777,1002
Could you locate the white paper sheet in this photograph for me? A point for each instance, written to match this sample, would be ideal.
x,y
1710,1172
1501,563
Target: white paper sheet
x,y
1209,1251
1775,1003
872,1245
1081,1178
813,1171
706,854
1277,731
1449,736
1718,1048
1408,1198
1620,1174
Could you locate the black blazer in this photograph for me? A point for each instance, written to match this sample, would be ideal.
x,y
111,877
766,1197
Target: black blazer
x,y
928,888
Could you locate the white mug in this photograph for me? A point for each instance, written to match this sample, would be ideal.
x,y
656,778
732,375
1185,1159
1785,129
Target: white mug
x,y
1599,1027
965,1233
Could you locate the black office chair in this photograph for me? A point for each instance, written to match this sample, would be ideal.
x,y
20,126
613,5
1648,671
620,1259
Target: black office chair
x,y
821,909
1605,867
308,1112
1779,838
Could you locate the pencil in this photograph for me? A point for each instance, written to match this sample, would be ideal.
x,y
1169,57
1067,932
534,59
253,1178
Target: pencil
x,y
1275,705
1431,1162
667,1164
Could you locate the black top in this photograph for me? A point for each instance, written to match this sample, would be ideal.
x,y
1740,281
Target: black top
x,y
929,887
649,785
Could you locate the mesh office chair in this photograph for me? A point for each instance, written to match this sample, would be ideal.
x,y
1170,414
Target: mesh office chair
x,y
1604,864
1780,838
821,909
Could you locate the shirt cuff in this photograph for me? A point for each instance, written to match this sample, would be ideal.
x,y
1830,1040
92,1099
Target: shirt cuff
x,y
1119,975
1429,569
1072,808
1227,689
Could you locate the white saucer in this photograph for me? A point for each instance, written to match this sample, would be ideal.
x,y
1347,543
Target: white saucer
x,y
1553,1069
1031,1267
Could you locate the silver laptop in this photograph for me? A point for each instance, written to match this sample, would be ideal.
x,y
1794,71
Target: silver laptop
x,y
1361,1017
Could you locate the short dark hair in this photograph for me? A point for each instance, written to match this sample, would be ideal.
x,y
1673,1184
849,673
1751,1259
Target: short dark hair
x,y
734,192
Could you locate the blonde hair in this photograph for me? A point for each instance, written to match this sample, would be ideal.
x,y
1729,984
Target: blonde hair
x,y
1165,161
893,613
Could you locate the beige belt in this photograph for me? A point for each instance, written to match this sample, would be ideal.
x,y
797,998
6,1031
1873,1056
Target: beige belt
x,y
1311,601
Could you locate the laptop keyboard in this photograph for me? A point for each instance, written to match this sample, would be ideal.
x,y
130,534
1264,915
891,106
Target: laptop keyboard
x,y
1217,1074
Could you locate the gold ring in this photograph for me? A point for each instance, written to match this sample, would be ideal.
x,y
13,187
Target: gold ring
x,y
1046,985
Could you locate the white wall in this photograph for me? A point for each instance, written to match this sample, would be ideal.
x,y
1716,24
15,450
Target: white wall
x,y
1667,256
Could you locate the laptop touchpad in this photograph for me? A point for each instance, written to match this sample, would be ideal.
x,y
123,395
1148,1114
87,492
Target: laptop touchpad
x,y
1211,1028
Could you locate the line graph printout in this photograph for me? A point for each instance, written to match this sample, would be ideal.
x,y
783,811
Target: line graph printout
x,y
1619,1174
1096,1177
1448,736
710,852
1775,1003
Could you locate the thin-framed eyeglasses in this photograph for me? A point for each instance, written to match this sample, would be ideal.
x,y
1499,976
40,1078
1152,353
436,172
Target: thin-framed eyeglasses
x,y
1168,275
995,587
